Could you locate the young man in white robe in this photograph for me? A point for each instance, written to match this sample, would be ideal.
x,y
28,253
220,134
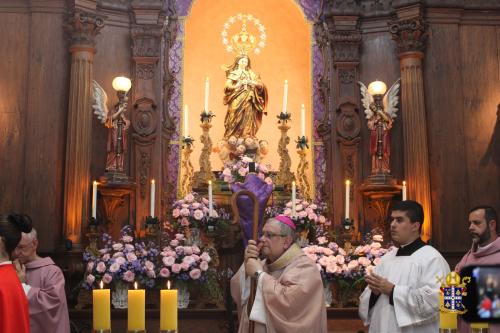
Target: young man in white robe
x,y
403,290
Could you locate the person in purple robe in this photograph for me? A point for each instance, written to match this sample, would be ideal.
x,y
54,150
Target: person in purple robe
x,y
44,282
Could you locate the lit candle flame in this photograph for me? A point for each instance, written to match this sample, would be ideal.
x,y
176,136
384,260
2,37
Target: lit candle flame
x,y
348,182
293,183
101,285
168,284
135,285
152,181
95,182
209,182
404,183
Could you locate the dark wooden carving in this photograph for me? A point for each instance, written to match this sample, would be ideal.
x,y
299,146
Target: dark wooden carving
x,y
410,35
146,40
82,27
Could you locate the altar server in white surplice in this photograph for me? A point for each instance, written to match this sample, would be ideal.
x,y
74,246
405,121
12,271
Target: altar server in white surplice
x,y
403,290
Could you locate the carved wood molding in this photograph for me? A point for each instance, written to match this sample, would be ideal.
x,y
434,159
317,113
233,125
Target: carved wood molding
x,y
83,27
146,40
348,124
144,121
410,34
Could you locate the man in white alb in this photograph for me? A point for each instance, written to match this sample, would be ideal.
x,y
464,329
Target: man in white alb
x,y
403,290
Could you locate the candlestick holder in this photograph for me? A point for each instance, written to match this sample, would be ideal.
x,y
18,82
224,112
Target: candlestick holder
x,y
92,233
211,226
303,181
152,227
347,223
186,166
347,232
302,142
283,117
187,141
206,116
205,174
285,176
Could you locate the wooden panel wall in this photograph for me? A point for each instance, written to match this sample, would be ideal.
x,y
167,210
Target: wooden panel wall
x,y
14,48
462,93
445,122
47,103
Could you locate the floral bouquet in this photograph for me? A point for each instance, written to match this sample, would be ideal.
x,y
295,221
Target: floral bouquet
x,y
182,262
236,172
369,254
191,212
344,270
309,219
122,261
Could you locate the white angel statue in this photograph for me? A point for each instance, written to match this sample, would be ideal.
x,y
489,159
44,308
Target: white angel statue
x,y
117,124
380,110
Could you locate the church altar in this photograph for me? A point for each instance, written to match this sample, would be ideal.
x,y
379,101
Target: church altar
x,y
193,236
218,320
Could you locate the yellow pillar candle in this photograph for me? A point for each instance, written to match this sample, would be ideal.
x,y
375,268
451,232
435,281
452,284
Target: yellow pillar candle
x,y
168,309
479,327
101,309
136,309
447,320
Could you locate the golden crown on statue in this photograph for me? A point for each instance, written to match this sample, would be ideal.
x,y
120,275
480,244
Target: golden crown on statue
x,y
244,42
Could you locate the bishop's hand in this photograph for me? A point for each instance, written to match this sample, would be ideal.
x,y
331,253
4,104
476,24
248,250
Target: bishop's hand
x,y
252,251
20,270
252,265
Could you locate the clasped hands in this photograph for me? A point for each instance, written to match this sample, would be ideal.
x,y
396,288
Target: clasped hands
x,y
252,261
378,284
20,270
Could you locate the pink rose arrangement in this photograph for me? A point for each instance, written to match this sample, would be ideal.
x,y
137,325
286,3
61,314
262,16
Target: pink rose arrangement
x,y
182,262
191,211
334,262
309,217
123,261
236,172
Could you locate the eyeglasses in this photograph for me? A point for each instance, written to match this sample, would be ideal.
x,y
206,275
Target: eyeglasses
x,y
270,235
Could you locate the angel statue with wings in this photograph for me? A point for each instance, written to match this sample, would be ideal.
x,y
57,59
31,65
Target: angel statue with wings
x,y
117,124
380,110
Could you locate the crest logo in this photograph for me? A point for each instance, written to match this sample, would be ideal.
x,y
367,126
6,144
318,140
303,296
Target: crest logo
x,y
453,288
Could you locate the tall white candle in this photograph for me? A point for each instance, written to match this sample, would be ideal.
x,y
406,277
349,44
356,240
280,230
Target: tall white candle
x,y
285,95
94,199
403,191
186,120
294,190
302,120
347,194
207,88
210,199
152,201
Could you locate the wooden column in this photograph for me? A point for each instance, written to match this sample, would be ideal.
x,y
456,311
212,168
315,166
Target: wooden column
x,y
409,33
341,133
147,43
83,27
